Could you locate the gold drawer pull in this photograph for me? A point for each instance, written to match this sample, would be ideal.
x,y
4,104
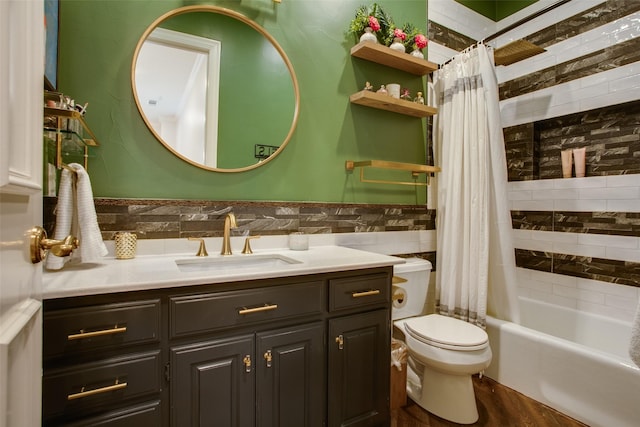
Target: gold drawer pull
x,y
83,334
117,386
365,293
265,307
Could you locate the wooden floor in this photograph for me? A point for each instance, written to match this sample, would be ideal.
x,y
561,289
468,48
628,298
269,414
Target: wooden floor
x,y
498,406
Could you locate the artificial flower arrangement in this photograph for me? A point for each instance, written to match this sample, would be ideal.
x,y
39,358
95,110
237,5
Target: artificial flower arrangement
x,y
414,39
385,30
375,18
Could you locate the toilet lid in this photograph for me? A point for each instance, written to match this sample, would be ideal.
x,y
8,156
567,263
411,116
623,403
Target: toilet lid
x,y
447,332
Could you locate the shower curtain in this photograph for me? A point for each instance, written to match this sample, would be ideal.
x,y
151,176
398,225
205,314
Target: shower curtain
x,y
475,265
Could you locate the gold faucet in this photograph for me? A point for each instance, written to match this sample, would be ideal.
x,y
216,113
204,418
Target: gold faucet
x,y
229,223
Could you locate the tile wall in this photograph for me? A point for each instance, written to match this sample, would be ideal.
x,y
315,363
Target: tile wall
x,y
389,229
577,240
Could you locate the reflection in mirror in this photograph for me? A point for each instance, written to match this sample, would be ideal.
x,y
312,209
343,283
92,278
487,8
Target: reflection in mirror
x,y
215,88
178,111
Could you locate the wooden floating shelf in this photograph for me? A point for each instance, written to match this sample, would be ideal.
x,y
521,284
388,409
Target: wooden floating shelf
x,y
386,102
415,170
392,58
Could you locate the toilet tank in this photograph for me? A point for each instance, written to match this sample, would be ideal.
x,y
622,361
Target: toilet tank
x,y
409,297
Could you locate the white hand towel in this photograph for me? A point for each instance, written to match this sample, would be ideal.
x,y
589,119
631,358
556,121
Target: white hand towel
x,y
634,345
82,222
64,217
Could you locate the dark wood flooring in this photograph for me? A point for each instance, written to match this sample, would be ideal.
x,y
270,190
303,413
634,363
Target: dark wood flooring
x,y
498,406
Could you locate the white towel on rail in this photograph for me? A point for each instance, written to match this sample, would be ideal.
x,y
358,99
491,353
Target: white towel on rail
x,y
634,344
76,214
64,217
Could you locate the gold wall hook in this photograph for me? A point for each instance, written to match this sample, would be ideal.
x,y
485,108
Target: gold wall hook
x,y
39,244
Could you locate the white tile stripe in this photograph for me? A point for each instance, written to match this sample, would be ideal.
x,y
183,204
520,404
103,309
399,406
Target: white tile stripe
x,y
620,193
599,90
619,248
603,298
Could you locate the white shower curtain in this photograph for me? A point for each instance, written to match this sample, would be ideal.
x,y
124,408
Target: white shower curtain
x,y
475,256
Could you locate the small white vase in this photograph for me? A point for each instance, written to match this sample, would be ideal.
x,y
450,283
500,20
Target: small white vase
x,y
397,45
417,53
368,36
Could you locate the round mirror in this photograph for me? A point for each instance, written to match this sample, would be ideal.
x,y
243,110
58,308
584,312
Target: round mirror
x,y
215,88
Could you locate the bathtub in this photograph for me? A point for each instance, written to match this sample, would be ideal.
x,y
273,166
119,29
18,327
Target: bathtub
x,y
574,362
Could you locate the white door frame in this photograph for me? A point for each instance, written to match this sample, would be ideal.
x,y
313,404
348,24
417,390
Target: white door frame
x,y
21,92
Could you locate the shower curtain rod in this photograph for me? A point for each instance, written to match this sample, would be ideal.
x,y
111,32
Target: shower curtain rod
x,y
509,28
528,18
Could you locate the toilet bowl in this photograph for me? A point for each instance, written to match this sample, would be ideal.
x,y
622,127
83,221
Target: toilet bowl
x,y
443,352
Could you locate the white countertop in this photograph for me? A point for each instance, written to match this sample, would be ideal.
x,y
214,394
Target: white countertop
x,y
161,271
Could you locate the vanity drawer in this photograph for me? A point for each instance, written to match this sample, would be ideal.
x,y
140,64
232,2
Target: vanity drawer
x,y
100,326
358,291
199,313
147,414
98,385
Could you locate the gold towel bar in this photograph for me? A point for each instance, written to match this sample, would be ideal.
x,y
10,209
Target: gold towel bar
x,y
415,170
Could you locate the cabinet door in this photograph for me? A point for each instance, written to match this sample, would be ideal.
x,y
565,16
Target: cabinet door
x,y
359,365
212,383
290,377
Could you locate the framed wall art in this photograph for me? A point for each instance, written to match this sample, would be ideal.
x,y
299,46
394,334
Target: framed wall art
x,y
51,22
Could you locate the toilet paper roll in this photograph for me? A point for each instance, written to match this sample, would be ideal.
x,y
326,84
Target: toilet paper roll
x,y
399,297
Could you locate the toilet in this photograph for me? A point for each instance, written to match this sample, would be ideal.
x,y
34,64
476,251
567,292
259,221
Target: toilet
x,y
443,352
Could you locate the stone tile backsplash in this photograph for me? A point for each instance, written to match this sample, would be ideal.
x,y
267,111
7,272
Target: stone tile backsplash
x,y
605,270
608,223
165,219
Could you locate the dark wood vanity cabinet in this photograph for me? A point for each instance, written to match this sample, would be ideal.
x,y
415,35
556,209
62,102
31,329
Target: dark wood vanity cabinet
x,y
299,351
358,382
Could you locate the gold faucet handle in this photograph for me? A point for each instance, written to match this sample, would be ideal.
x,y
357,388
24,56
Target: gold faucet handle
x,y
247,244
202,250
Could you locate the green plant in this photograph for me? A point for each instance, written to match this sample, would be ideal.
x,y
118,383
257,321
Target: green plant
x,y
377,19
411,31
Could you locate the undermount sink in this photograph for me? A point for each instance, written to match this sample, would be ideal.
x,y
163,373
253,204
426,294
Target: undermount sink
x,y
234,262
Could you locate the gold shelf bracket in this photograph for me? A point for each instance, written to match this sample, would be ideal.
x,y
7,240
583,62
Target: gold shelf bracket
x,y
415,170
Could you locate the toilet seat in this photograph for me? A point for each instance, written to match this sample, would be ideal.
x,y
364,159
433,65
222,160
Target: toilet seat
x,y
446,332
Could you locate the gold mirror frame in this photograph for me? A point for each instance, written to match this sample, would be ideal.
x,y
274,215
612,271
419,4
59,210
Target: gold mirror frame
x,y
255,26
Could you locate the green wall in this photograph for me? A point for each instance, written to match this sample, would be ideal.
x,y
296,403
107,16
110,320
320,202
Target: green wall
x,y
496,9
97,41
